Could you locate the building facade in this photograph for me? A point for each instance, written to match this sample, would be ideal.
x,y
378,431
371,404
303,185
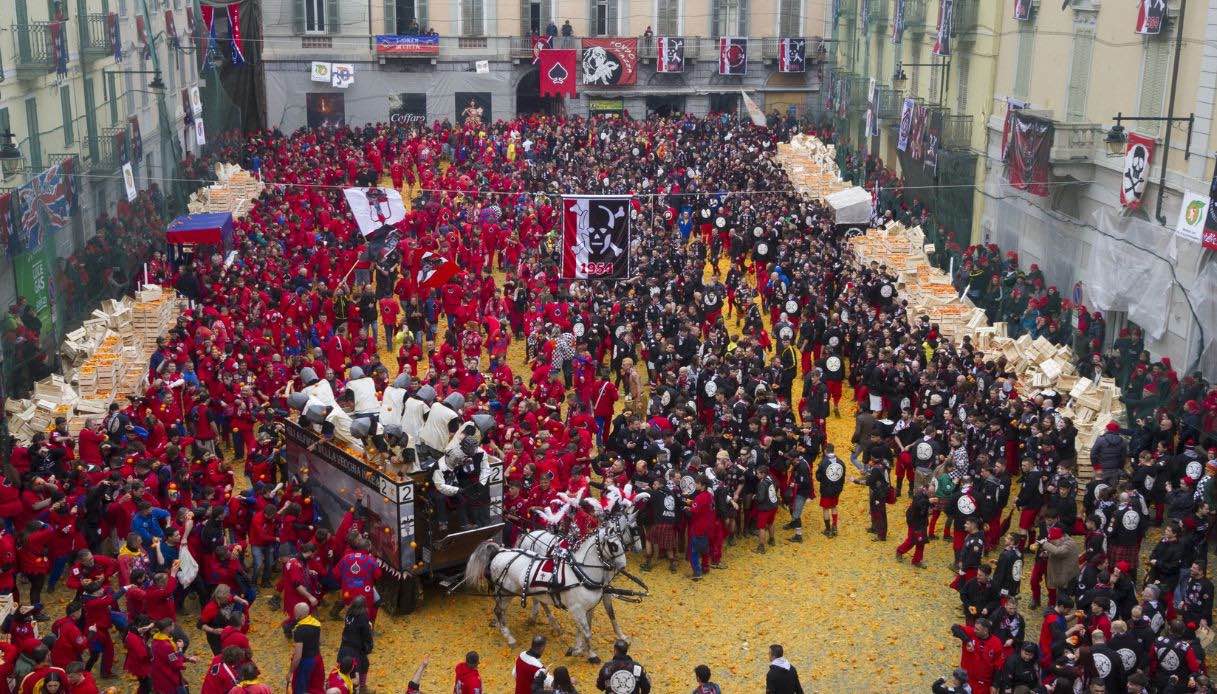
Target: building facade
x,y
1078,68
80,102
1074,66
482,51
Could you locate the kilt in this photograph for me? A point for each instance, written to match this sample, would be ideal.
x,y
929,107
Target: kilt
x,y
764,519
1117,553
662,536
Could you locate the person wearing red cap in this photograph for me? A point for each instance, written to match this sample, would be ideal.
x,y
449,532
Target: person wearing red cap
x,y
1109,454
1062,552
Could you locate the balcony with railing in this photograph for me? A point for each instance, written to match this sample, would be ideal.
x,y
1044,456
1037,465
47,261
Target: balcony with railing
x,y
914,15
94,40
1074,143
891,102
966,20
101,155
957,131
33,49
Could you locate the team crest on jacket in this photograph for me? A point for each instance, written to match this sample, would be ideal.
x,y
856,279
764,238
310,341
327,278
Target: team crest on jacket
x,y
1016,570
1102,664
622,682
1128,658
1131,519
834,471
966,505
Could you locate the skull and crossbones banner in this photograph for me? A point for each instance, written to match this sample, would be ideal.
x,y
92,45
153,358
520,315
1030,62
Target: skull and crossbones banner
x,y
1137,155
595,236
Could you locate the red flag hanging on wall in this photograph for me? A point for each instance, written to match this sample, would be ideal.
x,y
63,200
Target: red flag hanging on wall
x,y
1027,150
557,67
1138,154
732,55
610,62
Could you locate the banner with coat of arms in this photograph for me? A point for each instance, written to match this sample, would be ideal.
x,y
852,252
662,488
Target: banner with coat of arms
x,y
610,62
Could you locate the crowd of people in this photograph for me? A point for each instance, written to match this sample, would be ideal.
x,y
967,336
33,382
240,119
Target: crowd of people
x,y
705,380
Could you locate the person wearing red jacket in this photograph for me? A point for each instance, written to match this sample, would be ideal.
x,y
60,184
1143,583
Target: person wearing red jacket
x,y
138,662
468,679
299,586
80,680
70,644
702,519
88,568
168,661
8,561
222,675
98,603
528,664
33,559
980,655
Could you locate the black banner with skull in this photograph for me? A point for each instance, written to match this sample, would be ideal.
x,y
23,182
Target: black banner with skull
x,y
595,237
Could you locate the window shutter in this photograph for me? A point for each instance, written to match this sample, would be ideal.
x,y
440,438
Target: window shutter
x,y
35,139
390,16
1079,73
420,14
333,21
298,17
612,29
742,20
1153,82
525,18
1022,68
715,20
65,105
961,93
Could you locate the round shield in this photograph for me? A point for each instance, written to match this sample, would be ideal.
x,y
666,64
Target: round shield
x,y
1128,658
792,307
710,388
1194,469
966,505
687,485
834,471
886,291
833,363
720,222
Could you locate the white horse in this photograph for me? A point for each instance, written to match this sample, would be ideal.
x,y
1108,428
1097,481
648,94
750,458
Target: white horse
x,y
574,583
544,542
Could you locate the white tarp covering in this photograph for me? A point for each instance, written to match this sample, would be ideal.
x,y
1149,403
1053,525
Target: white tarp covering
x,y
850,206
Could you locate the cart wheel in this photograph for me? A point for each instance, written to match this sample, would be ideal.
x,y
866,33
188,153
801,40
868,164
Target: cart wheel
x,y
407,595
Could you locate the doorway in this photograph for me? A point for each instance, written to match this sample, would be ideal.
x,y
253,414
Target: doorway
x,y
536,21
665,106
529,99
724,103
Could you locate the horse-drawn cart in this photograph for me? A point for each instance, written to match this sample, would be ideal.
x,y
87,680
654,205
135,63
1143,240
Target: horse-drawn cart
x,y
396,511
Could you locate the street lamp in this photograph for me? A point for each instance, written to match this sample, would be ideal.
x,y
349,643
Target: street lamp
x,y
1115,140
156,84
10,156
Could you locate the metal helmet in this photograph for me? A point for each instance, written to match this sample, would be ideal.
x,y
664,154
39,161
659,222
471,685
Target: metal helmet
x,y
356,373
426,394
402,381
455,402
297,401
308,376
361,427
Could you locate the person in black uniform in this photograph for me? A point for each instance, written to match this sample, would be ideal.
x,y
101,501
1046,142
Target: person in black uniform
x,y
803,483
622,674
877,482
